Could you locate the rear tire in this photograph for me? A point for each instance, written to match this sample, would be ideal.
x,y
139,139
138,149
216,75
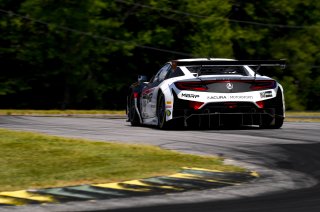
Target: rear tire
x,y
278,119
276,122
161,112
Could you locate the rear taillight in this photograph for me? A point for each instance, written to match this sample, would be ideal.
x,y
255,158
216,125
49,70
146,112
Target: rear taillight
x,y
260,104
263,85
231,105
191,86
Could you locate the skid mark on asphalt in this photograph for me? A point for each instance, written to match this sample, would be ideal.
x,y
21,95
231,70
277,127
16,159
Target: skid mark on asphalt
x,y
185,180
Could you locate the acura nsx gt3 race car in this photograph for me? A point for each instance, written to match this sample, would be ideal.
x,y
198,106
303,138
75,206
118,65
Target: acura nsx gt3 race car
x,y
208,92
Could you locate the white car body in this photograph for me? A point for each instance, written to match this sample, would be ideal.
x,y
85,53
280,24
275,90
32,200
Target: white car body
x,y
209,97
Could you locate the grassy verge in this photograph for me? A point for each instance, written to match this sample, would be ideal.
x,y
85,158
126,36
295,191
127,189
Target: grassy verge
x,y
61,112
31,160
302,116
288,119
302,113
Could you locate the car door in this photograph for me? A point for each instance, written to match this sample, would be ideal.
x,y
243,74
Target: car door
x,y
150,93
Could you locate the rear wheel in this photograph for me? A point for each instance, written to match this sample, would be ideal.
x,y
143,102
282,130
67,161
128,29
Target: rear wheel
x,y
132,113
274,123
161,112
277,121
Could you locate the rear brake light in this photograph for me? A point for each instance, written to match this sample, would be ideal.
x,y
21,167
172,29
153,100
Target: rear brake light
x,y
192,86
260,104
231,105
263,85
195,105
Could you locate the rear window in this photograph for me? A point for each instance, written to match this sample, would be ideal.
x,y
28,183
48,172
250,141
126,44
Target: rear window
x,y
175,73
218,70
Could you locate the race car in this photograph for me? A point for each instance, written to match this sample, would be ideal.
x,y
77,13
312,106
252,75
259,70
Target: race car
x,y
207,92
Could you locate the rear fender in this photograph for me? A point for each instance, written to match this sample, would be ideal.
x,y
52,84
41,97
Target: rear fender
x,y
283,100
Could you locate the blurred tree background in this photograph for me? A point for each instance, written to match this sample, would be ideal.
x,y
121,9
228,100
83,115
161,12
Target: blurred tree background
x,y
58,54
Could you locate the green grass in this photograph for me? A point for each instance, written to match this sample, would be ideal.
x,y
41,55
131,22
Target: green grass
x,y
302,113
31,160
60,112
290,118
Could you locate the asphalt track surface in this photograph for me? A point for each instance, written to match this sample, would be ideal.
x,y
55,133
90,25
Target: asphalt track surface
x,y
288,160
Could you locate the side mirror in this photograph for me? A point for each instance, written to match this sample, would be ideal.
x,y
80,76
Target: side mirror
x,y
142,78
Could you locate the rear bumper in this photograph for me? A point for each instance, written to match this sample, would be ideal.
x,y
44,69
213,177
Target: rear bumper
x,y
222,113
220,119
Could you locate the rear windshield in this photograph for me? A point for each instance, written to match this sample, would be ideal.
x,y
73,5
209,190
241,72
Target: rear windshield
x,y
218,70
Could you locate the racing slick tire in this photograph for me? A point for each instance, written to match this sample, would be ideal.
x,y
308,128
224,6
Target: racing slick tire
x,y
278,118
132,113
276,122
161,112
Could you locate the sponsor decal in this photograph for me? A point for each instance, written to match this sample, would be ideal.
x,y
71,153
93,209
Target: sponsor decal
x,y
168,104
144,103
222,97
216,97
229,85
147,91
194,96
147,94
266,94
168,112
241,97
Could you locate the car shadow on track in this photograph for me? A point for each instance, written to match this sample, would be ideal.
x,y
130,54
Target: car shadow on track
x,y
214,128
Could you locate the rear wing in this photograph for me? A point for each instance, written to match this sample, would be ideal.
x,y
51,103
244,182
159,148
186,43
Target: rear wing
x,y
259,63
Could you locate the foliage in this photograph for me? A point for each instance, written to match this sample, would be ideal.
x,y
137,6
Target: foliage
x,y
296,43
84,54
